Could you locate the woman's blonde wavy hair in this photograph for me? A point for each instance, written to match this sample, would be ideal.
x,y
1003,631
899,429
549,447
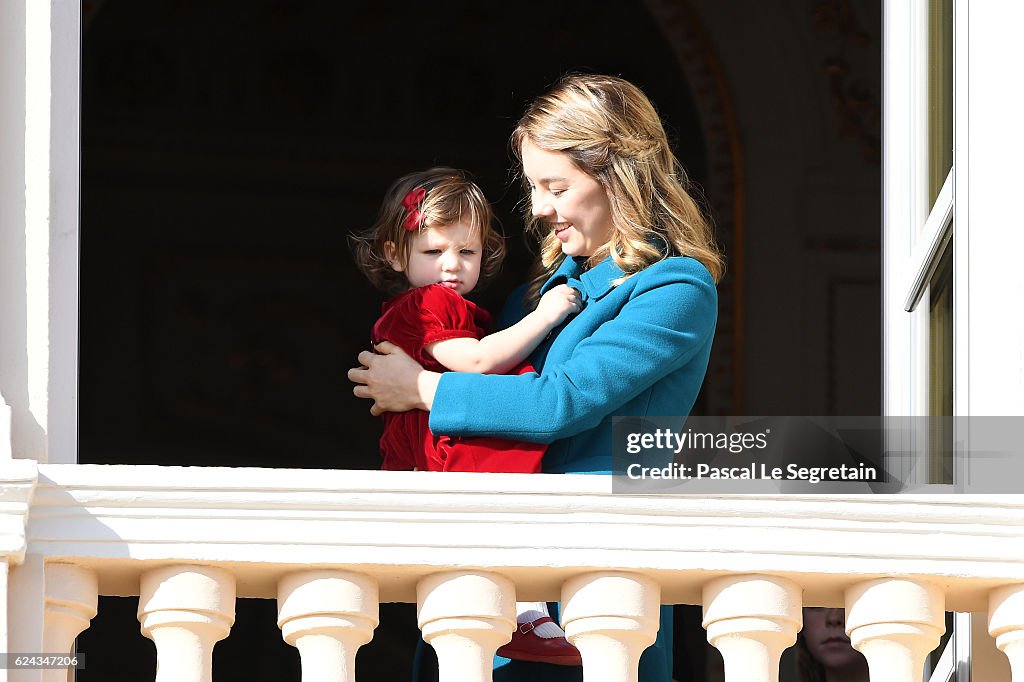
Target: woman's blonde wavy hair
x,y
611,131
451,197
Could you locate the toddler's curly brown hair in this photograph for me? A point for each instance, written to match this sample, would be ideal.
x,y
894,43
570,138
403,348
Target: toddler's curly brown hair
x,y
451,197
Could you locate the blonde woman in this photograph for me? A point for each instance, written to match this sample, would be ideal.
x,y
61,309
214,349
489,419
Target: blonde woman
x,y
610,204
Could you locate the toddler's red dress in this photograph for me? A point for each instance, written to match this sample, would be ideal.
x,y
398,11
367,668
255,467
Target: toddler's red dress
x,y
412,321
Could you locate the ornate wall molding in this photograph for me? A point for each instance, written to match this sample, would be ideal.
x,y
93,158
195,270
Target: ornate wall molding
x,y
724,192
857,110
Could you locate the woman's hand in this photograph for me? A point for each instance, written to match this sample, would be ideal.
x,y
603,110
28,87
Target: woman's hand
x,y
393,381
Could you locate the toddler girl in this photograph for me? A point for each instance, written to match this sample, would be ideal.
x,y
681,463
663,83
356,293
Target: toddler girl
x,y
433,242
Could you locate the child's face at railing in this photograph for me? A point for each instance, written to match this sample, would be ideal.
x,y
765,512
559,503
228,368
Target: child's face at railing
x,y
825,633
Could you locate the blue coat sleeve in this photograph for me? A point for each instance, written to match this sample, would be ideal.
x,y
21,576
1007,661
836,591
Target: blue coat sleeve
x,y
667,319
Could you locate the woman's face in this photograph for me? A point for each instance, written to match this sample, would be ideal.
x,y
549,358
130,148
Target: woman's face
x,y
825,635
568,201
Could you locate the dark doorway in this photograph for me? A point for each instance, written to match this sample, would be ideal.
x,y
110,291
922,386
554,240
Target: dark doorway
x,y
228,149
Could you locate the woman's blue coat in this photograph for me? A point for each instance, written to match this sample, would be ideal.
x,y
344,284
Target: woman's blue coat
x,y
637,349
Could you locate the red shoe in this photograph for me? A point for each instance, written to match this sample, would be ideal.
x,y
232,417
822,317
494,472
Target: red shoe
x,y
527,646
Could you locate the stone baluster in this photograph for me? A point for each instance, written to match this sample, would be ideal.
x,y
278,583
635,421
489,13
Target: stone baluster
x,y
751,620
611,618
186,610
1006,624
327,616
71,598
466,616
895,623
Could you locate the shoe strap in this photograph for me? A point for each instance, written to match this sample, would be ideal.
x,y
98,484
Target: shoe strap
x,y
528,627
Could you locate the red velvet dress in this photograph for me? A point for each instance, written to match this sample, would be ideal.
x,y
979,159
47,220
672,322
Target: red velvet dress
x,y
412,321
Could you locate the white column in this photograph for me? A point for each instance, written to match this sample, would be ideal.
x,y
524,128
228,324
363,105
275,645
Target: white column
x,y
327,616
17,484
895,623
71,598
40,48
611,618
185,610
752,619
1006,624
5,429
466,616
4,644
26,609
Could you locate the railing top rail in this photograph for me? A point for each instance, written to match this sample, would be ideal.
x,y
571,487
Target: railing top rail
x,y
538,530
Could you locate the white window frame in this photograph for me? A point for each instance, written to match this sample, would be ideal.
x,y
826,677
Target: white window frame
x,y
40,84
64,119
915,232
954,664
989,236
978,211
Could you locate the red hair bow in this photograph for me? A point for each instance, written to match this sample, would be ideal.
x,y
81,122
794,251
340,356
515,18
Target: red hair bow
x,y
411,202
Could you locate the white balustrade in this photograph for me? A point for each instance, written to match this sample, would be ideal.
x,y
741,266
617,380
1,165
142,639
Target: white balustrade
x,y
325,543
751,619
327,616
71,598
186,610
1006,624
466,616
611,618
895,623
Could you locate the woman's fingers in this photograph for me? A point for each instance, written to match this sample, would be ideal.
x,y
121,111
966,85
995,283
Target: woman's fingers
x,y
387,348
384,377
357,375
361,391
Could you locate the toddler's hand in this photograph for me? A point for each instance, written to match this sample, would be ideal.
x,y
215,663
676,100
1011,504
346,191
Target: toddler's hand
x,y
558,303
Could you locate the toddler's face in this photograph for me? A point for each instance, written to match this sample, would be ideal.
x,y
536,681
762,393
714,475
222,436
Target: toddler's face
x,y
448,255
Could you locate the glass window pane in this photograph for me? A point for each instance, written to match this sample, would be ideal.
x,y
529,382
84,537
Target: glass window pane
x,y
940,380
940,94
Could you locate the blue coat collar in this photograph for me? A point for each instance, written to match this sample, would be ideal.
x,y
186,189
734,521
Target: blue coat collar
x,y
593,283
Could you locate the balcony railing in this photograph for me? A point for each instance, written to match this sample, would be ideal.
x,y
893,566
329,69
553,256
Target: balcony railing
x,y
330,545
